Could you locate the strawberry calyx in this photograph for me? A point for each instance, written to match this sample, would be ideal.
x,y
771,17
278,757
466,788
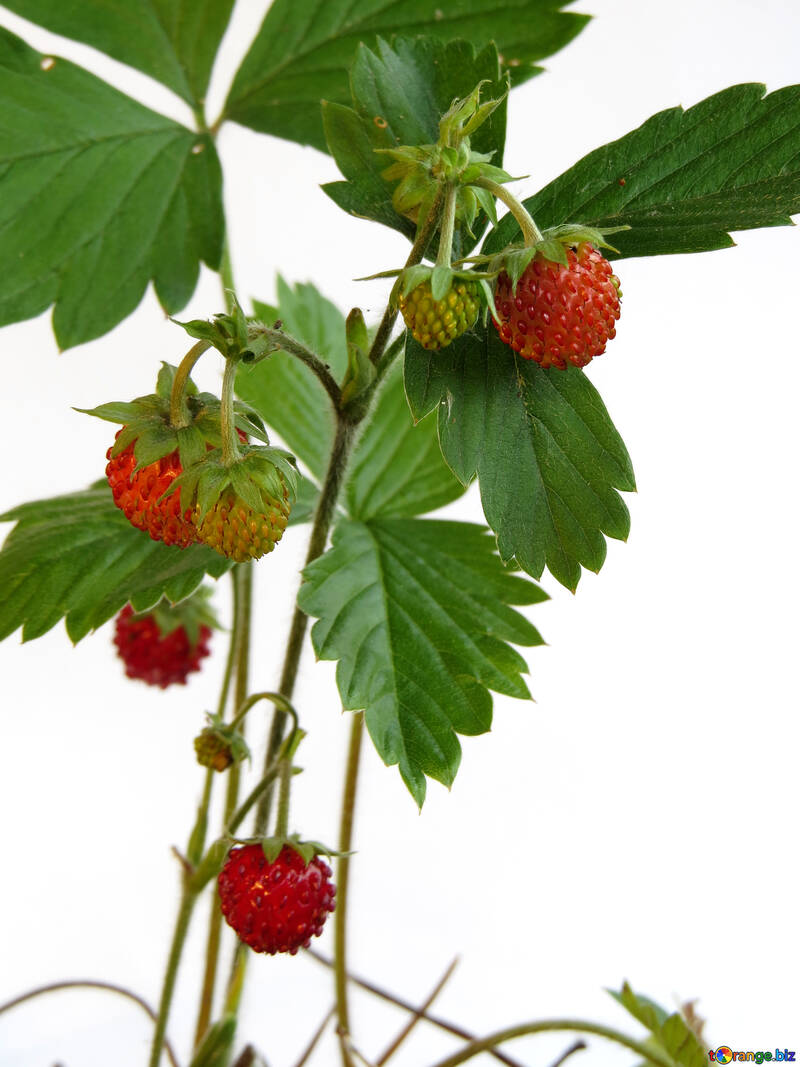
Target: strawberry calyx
x,y
192,613
147,425
274,845
219,744
231,334
258,471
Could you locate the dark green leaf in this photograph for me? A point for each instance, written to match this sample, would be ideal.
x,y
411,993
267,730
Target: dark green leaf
x,y
670,1033
417,614
399,96
98,196
284,391
304,49
174,41
397,468
684,179
78,558
547,455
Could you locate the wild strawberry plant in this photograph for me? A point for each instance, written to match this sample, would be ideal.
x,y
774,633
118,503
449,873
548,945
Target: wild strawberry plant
x,y
505,302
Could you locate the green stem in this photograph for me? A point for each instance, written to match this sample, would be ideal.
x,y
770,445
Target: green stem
x,y
276,698
241,812
230,439
243,578
343,883
448,227
226,271
531,234
284,343
323,519
424,235
232,649
88,983
285,776
646,1052
178,412
418,1015
188,899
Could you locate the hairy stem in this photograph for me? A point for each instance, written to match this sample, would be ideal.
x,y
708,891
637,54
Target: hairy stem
x,y
226,272
531,234
343,882
178,412
88,983
230,440
188,899
240,638
646,1052
323,519
284,343
424,235
448,227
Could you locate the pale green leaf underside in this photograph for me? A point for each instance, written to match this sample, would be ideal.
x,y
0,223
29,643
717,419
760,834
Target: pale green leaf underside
x,y
684,180
397,468
98,196
417,614
77,557
670,1032
174,41
304,49
545,451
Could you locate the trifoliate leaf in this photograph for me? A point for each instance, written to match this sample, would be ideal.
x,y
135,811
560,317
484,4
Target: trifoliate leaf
x,y
304,50
417,614
545,451
98,197
684,180
78,558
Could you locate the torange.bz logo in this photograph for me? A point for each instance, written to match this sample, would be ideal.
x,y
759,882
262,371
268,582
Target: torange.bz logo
x,y
726,1055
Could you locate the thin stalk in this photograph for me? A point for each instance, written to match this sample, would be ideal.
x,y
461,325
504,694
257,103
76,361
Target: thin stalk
x,y
250,802
178,412
315,1039
188,899
448,227
646,1052
418,249
232,649
226,268
243,578
285,777
576,1046
285,343
342,885
531,234
88,983
392,998
323,519
417,1016
230,439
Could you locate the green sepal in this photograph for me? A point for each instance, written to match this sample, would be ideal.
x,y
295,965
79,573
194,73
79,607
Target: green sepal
x,y
360,372
215,1048
192,613
230,333
307,850
259,469
228,735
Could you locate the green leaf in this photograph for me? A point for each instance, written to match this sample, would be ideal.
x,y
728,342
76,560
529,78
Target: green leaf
x,y
417,614
397,468
98,196
305,505
399,96
174,41
670,1033
288,395
684,179
547,455
304,49
78,558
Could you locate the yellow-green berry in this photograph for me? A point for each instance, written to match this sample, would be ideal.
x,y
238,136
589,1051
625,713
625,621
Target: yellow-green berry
x,y
437,323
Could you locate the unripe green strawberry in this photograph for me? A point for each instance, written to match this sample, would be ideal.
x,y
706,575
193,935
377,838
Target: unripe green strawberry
x,y
437,323
237,531
213,750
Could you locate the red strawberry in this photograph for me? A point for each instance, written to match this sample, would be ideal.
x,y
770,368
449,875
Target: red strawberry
x,y
279,906
137,494
156,657
560,314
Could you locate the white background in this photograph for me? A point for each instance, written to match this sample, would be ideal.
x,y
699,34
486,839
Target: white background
x,y
638,821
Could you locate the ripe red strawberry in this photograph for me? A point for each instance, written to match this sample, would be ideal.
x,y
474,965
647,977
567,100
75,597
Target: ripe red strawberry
x,y
279,906
559,313
235,530
155,656
137,494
